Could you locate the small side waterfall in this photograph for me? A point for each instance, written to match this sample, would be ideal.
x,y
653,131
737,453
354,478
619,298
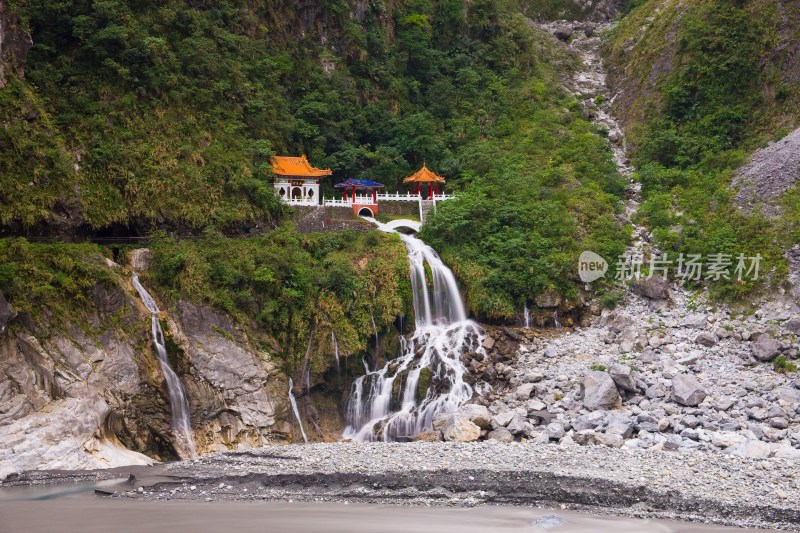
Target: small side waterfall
x,y
177,395
527,315
335,349
401,399
296,412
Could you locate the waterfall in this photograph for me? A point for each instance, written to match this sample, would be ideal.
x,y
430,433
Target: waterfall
x,y
556,323
177,395
335,348
527,315
296,412
374,327
389,403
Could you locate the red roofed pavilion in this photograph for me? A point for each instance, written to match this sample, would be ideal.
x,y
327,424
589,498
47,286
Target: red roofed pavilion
x,y
425,175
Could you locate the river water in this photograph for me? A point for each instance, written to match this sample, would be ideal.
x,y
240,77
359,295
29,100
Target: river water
x,y
87,513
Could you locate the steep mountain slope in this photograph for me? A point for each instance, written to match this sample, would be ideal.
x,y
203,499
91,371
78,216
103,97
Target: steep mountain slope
x,y
142,118
699,86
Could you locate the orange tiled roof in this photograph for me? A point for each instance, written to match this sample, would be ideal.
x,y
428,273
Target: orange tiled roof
x,y
296,166
424,175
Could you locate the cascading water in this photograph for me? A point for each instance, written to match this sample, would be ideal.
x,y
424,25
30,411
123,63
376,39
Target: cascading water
x,y
335,348
177,395
527,315
296,411
389,403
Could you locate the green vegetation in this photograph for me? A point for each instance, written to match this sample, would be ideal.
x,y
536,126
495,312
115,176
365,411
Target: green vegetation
x,y
539,190
292,287
720,96
50,278
164,117
597,367
783,365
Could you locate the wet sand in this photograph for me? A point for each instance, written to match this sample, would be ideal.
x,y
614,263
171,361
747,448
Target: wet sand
x,y
88,513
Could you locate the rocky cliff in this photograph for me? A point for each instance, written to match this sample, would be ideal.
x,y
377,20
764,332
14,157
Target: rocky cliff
x,y
88,393
14,45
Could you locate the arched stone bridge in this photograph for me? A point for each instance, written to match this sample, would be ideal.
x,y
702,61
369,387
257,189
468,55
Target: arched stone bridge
x,y
405,224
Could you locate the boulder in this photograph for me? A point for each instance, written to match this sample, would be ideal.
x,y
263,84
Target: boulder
x,y
500,434
793,326
477,414
563,32
7,313
599,392
502,419
609,439
706,339
619,323
750,448
518,425
620,426
765,348
532,376
440,419
687,391
489,342
535,405
547,299
726,439
654,288
430,435
587,436
697,321
623,377
592,420
141,258
524,391
459,429
555,430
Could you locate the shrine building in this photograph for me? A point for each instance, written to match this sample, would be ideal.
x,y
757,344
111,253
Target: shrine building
x,y
296,181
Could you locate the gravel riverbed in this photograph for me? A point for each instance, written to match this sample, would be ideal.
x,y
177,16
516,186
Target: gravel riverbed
x,y
690,485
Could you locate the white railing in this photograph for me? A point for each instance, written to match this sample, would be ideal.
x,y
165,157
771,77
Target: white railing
x,y
398,197
341,202
297,201
388,197
408,197
336,202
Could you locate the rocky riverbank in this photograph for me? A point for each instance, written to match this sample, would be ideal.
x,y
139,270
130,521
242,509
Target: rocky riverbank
x,y
665,374
699,486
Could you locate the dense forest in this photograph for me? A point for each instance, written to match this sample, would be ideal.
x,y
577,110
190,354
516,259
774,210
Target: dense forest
x,y
163,116
137,117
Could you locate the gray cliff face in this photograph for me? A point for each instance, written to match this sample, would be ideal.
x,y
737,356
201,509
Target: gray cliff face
x,y
14,46
93,396
237,395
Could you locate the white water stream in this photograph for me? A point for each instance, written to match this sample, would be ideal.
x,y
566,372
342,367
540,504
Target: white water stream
x,y
388,403
293,401
177,395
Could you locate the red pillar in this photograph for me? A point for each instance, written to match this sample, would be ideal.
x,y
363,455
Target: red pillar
x,y
374,196
430,191
354,195
418,185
